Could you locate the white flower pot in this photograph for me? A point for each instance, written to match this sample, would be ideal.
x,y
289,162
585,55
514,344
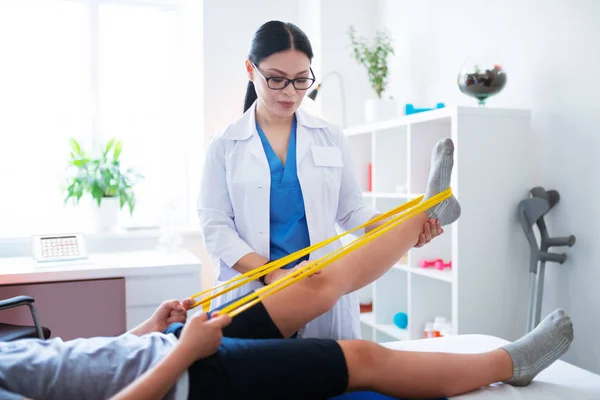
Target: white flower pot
x,y
380,110
107,215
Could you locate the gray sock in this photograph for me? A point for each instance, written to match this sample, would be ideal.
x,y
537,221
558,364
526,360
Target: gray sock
x,y
442,161
538,349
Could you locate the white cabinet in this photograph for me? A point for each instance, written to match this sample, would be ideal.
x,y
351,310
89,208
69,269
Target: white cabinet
x,y
94,290
143,294
486,289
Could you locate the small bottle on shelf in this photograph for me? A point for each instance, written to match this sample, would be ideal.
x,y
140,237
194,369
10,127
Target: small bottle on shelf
x,y
446,330
428,330
438,324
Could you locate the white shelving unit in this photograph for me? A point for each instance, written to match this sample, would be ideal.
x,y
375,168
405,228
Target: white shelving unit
x,y
486,289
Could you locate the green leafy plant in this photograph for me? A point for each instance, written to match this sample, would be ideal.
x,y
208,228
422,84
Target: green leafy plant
x,y
373,57
100,175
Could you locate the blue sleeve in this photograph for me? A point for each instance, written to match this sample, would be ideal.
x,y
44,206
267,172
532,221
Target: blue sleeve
x,y
6,395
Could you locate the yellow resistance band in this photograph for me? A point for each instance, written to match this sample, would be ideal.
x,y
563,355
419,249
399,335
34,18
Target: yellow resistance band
x,y
408,210
258,295
274,265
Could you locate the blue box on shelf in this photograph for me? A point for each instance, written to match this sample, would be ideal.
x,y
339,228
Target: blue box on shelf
x,y
410,109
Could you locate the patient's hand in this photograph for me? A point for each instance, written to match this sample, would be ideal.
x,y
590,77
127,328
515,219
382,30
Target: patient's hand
x,y
188,303
201,337
169,312
431,230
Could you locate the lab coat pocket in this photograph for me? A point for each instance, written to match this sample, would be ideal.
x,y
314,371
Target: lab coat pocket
x,y
327,156
328,167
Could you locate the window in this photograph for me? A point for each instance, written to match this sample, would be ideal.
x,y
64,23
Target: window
x,y
93,70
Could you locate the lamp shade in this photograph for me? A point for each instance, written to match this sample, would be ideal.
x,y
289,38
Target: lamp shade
x,y
313,93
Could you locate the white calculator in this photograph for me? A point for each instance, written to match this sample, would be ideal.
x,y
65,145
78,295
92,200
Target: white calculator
x,y
62,247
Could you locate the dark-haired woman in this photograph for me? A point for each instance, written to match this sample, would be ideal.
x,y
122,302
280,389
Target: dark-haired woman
x,y
280,179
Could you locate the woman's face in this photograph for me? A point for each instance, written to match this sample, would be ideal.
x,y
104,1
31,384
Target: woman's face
x,y
288,64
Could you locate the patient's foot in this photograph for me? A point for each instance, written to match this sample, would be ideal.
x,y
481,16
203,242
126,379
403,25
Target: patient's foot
x,y
442,161
539,348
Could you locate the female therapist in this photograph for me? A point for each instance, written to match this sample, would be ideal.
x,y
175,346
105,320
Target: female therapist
x,y
279,179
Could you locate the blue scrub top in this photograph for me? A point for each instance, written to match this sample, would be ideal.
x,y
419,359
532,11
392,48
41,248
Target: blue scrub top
x,y
289,231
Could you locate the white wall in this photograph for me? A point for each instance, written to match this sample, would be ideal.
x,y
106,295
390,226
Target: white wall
x,y
336,55
549,50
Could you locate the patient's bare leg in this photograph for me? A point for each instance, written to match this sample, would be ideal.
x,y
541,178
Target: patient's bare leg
x,y
421,375
432,375
295,306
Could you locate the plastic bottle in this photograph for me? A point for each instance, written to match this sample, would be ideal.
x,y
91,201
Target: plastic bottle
x,y
428,330
447,329
438,324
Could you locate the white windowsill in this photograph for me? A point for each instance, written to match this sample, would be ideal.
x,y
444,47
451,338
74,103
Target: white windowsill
x,y
127,233
122,240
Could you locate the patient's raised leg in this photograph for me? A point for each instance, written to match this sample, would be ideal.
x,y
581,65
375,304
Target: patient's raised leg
x,y
295,306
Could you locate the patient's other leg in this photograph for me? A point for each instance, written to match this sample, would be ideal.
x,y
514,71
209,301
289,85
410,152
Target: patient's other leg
x,y
432,375
295,306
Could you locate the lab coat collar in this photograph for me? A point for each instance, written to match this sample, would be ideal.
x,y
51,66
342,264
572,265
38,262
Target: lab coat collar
x,y
245,127
309,120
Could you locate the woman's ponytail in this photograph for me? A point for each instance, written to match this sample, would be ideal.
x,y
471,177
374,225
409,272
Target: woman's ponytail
x,y
251,96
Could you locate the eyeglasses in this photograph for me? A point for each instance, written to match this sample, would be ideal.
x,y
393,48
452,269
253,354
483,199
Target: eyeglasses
x,y
280,83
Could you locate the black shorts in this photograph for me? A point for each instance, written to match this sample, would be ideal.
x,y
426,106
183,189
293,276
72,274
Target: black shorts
x,y
268,367
254,323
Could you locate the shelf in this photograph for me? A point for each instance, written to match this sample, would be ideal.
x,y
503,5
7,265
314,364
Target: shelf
x,y
429,116
444,275
393,331
368,319
439,115
393,163
389,195
389,329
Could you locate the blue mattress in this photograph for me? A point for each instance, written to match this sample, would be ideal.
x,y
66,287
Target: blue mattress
x,y
368,396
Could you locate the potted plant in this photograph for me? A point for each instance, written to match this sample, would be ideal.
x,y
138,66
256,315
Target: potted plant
x,y
101,176
375,59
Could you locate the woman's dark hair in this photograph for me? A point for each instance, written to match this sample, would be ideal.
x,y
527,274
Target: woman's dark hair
x,y
273,37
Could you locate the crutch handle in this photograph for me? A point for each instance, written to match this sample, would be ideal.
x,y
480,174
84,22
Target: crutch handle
x,y
552,257
560,241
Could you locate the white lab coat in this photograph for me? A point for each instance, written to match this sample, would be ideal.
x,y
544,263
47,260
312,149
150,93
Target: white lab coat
x,y
233,206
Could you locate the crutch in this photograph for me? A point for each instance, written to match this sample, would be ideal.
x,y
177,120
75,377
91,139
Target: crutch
x,y
532,211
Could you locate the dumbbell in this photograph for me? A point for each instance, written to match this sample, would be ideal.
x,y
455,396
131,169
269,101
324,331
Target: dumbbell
x,y
438,264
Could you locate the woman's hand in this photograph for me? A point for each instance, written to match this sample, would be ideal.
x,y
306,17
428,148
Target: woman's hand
x,y
431,229
304,263
201,337
280,273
